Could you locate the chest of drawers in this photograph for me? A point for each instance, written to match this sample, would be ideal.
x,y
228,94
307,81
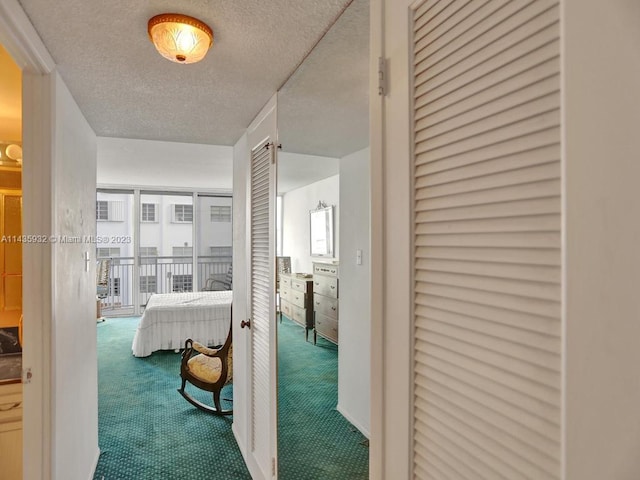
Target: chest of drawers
x,y
296,299
325,300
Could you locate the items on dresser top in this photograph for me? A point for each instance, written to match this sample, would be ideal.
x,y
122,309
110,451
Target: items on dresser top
x,y
325,300
296,299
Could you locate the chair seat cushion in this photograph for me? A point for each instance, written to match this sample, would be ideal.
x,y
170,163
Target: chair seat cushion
x,y
209,369
205,368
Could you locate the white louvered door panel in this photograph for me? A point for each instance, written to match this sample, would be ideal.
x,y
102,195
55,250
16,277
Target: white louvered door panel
x,y
487,240
262,309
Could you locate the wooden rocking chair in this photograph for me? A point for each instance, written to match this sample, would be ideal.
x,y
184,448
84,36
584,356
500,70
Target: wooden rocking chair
x,y
209,369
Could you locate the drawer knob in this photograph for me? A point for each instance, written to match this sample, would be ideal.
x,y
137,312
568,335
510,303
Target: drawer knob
x,y
333,308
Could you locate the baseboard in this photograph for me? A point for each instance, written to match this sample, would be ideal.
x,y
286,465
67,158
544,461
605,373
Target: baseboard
x,y
254,469
95,464
350,419
240,445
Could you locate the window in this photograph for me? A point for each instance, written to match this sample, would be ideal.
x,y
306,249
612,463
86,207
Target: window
x,y
147,255
182,283
220,213
102,210
148,212
114,287
279,201
221,251
182,213
148,284
182,251
109,211
107,252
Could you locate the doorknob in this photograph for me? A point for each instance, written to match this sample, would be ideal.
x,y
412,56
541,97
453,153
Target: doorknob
x,y
245,324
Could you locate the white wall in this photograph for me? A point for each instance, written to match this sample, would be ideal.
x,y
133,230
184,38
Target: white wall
x,y
296,170
123,161
295,220
74,352
355,309
601,67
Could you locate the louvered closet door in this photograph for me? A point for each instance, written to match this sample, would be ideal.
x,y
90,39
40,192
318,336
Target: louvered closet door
x,y
487,240
262,306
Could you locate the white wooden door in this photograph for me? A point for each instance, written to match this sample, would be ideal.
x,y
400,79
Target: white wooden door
x,y
473,200
255,409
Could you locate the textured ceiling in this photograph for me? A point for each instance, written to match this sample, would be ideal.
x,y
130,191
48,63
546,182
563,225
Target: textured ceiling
x,y
323,109
125,89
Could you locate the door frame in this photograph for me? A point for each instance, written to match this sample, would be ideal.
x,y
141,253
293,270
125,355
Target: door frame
x,y
391,330
22,42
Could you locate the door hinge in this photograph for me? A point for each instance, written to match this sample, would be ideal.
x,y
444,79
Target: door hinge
x,y
268,147
26,375
273,466
382,76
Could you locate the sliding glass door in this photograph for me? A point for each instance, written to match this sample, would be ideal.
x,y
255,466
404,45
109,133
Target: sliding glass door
x,y
165,249
161,242
214,239
114,244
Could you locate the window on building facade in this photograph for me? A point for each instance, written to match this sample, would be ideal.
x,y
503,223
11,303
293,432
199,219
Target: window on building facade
x,y
148,255
182,213
220,213
221,251
107,252
114,287
148,284
182,283
110,211
148,212
102,210
182,251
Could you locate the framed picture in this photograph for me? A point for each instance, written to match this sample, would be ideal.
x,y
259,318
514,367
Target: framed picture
x,y
321,232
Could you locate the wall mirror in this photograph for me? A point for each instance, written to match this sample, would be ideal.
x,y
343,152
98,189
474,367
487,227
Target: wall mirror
x,y
321,232
323,129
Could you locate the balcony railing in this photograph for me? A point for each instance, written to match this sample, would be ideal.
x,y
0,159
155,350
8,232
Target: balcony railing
x,y
156,275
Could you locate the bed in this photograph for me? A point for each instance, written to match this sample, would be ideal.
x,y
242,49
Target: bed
x,y
170,318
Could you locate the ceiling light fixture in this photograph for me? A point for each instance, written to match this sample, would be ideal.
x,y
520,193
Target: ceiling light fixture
x,y
180,38
14,152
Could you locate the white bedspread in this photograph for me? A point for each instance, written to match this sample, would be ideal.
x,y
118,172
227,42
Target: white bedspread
x,y
170,318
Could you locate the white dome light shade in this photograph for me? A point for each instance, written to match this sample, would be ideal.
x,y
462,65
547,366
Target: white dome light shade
x,y
14,152
180,38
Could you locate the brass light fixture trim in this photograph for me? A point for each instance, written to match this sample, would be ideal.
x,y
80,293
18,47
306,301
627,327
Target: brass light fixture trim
x,y
180,38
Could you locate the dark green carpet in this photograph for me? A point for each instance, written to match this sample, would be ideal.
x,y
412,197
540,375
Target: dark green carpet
x,y
314,439
148,431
